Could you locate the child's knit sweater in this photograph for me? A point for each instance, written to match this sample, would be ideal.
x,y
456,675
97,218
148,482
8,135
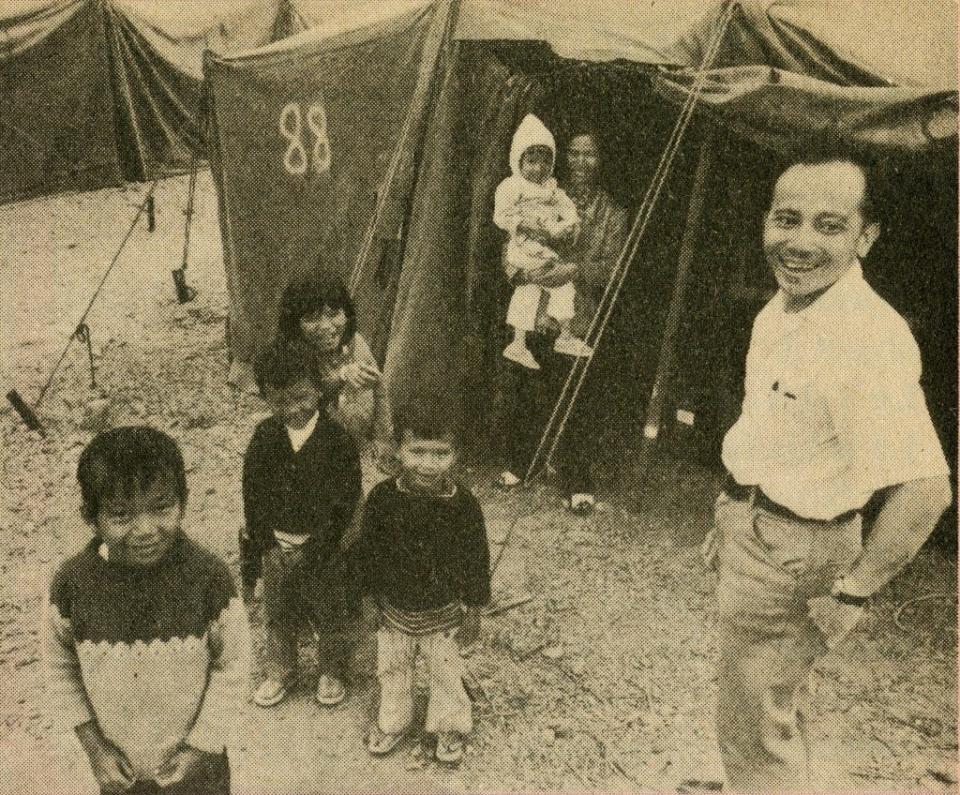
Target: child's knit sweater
x,y
157,656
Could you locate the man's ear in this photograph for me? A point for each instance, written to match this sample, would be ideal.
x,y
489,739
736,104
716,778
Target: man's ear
x,y
867,238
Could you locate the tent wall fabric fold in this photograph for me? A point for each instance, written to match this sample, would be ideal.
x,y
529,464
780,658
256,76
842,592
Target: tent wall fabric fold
x,y
773,107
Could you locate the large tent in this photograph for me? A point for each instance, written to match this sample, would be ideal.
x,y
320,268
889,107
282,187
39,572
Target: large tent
x,y
368,137
419,104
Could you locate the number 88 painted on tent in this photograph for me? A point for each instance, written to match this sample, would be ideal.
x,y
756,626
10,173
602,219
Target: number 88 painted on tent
x,y
295,159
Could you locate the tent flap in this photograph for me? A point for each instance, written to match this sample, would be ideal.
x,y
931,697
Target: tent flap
x,y
774,108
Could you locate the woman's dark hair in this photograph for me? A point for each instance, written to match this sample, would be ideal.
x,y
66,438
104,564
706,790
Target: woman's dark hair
x,y
310,297
576,130
127,458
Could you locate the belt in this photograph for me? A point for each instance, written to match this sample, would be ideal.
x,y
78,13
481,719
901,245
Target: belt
x,y
754,495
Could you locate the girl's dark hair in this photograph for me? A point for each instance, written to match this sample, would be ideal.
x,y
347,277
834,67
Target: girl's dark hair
x,y
582,127
126,458
310,297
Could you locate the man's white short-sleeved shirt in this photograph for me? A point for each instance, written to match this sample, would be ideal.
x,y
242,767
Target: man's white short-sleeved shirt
x,y
833,408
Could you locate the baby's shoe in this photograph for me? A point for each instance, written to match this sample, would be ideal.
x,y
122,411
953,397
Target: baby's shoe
x,y
572,346
330,690
519,353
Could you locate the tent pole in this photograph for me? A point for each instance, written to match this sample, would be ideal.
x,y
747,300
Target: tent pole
x,y
691,236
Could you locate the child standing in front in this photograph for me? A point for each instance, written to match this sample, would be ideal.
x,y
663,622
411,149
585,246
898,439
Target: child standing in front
x,y
146,639
538,215
425,560
301,484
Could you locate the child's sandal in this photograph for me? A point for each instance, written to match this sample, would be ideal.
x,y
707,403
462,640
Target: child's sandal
x,y
381,743
449,748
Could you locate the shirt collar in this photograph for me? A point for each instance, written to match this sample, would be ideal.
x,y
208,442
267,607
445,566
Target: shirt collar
x,y
404,488
298,436
826,309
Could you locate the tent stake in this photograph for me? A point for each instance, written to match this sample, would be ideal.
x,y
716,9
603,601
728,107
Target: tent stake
x,y
668,345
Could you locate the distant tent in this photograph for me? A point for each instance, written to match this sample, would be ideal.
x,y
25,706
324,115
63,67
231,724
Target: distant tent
x,y
425,256
97,92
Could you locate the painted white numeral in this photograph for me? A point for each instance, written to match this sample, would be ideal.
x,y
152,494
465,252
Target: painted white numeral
x,y
295,159
317,121
291,128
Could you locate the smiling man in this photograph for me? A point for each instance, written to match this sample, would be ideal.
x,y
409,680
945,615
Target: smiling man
x,y
833,412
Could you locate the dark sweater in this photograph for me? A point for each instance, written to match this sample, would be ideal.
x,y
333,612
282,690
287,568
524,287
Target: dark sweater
x,y
313,491
420,551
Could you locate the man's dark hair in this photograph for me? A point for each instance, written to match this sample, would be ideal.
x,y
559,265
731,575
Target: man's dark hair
x,y
125,459
823,152
311,296
428,418
281,365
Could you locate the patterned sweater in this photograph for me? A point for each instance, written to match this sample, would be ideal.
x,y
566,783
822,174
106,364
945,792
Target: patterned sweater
x,y
156,656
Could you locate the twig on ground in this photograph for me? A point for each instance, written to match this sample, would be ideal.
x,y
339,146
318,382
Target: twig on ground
x,y
498,609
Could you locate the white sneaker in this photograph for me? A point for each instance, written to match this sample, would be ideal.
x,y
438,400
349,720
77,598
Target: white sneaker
x,y
572,346
519,353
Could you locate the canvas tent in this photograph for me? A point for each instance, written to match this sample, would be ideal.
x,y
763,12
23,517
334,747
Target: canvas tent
x,y
415,101
97,92
422,249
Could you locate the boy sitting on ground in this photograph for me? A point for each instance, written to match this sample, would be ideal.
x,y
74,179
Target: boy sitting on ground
x,y
537,214
425,560
301,485
146,641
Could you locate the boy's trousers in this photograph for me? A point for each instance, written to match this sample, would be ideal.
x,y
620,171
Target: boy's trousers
x,y
296,595
448,707
769,566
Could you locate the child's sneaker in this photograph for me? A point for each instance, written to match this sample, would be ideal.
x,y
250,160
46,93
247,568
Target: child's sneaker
x,y
330,690
270,693
519,353
449,748
572,346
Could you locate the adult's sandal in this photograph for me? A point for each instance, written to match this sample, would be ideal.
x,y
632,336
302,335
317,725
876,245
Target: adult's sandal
x,y
381,743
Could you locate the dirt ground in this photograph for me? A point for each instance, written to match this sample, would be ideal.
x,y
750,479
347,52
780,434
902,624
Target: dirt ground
x,y
603,681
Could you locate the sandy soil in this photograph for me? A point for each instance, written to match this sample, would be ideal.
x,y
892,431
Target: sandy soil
x,y
623,698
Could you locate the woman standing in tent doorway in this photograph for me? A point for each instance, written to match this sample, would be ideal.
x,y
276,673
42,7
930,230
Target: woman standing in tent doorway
x,y
531,394
320,314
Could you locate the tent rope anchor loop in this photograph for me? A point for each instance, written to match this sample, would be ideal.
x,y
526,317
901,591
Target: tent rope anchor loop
x,y
185,293
82,334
